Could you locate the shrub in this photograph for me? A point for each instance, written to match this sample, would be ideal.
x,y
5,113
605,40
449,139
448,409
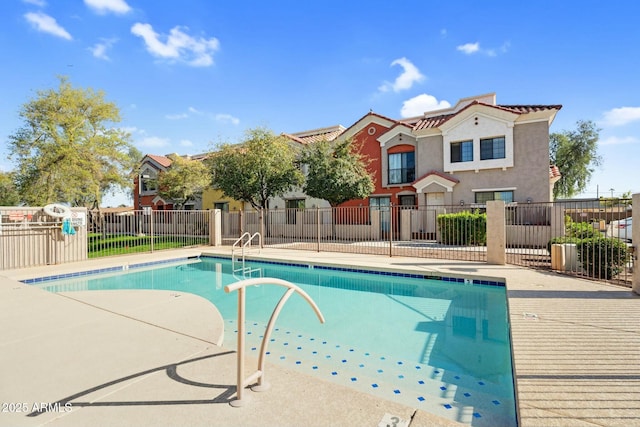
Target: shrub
x,y
464,228
603,257
581,230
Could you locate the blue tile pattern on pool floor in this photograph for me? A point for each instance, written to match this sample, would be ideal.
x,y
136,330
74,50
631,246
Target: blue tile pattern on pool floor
x,y
452,395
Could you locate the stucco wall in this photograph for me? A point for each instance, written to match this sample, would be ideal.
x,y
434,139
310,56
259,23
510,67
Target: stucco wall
x,y
529,175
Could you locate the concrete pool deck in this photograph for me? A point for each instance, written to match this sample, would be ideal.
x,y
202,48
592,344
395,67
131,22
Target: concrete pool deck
x,y
150,357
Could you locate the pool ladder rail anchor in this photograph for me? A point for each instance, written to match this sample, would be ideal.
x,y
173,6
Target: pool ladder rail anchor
x,y
258,375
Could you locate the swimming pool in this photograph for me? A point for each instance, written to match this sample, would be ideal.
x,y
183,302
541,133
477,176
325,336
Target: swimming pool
x,y
436,344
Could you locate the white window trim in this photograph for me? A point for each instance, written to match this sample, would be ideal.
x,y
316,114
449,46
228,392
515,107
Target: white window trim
x,y
450,136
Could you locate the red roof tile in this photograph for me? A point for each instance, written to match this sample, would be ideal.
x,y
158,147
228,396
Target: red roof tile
x,y
437,173
426,121
161,160
315,135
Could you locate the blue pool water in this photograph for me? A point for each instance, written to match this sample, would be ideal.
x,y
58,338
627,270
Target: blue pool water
x,y
437,345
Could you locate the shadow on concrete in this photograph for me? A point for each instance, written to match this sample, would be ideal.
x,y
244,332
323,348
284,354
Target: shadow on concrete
x,y
171,371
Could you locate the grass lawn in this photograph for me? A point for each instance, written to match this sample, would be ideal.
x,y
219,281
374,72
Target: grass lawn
x,y
108,245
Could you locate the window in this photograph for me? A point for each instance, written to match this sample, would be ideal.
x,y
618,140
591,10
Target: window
x,y
492,148
483,197
223,206
381,204
409,200
462,151
148,184
292,206
402,168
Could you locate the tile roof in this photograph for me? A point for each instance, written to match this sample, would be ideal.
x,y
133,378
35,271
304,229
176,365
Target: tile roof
x,y
426,121
161,160
554,172
315,135
437,173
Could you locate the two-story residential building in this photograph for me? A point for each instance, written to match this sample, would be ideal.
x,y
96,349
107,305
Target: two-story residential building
x,y
296,198
145,189
468,154
146,193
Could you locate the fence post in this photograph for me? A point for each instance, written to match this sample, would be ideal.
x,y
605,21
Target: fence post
x,y
635,238
496,233
215,227
262,215
391,229
151,227
318,226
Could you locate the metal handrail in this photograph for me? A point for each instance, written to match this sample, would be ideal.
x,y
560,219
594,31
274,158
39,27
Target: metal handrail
x,y
258,375
244,245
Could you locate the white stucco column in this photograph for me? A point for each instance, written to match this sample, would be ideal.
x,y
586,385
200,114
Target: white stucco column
x,y
215,227
496,233
635,238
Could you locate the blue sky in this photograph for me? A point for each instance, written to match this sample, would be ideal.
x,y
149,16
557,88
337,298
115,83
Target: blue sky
x,y
190,74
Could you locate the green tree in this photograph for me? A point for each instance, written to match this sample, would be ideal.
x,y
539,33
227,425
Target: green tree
x,y
8,193
575,152
261,167
184,181
66,150
337,173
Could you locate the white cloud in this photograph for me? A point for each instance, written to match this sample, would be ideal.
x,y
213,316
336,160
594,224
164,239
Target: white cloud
x,y
194,111
105,6
186,143
227,118
406,79
99,50
153,142
179,46
40,3
46,24
614,140
418,105
469,48
178,116
621,116
473,48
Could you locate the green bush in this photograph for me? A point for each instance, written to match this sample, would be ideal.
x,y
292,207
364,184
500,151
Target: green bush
x,y
464,228
581,230
603,257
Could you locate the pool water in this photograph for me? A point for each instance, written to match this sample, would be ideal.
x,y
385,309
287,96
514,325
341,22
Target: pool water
x,y
437,345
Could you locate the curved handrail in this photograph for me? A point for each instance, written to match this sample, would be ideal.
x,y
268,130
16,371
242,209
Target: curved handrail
x,y
248,242
259,374
246,233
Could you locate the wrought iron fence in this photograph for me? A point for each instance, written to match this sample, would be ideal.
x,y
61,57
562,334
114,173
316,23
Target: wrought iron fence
x,y
454,232
146,231
391,230
574,237
29,237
